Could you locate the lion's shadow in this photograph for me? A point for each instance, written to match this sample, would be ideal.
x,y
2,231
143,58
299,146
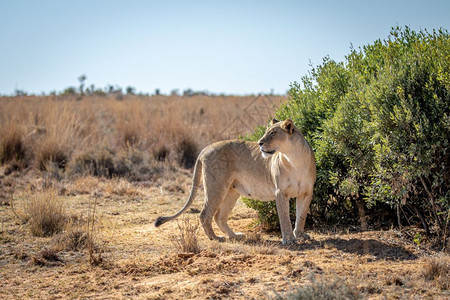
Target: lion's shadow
x,y
379,250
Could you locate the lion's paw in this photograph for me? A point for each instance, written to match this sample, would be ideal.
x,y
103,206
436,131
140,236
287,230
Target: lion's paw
x,y
288,242
302,236
238,236
221,239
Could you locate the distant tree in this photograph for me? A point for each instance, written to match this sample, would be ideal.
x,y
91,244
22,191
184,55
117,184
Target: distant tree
x,y
69,91
99,92
90,89
175,92
20,92
82,79
188,93
157,92
109,89
130,90
117,90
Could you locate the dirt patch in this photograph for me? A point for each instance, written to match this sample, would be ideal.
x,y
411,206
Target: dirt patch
x,y
140,261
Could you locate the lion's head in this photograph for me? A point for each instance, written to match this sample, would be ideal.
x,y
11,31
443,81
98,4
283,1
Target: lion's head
x,y
277,137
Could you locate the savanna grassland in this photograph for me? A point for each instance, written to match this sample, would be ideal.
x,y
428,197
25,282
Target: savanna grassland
x,y
82,180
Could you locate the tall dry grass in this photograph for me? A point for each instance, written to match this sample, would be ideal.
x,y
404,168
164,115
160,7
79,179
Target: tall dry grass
x,y
107,137
12,145
186,241
45,213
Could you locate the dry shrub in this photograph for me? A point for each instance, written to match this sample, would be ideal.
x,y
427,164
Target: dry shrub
x,y
186,241
83,185
128,162
13,166
45,213
46,257
438,270
94,252
187,152
122,188
132,122
318,290
50,152
66,130
130,133
173,141
72,240
161,152
96,162
169,129
11,143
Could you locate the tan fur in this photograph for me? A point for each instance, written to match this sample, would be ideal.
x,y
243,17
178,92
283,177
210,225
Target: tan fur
x,y
234,167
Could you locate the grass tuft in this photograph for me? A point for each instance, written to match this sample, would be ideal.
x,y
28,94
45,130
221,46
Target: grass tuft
x,y
187,152
73,240
186,241
45,213
11,143
161,153
96,162
318,290
46,257
50,153
438,270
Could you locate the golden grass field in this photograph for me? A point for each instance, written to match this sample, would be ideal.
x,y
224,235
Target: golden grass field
x,y
82,181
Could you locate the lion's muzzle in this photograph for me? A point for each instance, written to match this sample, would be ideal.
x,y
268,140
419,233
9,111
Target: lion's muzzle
x,y
270,152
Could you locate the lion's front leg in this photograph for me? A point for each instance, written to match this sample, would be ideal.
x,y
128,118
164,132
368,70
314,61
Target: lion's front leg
x,y
282,203
302,207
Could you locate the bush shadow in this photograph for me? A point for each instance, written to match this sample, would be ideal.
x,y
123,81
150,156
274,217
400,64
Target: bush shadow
x,y
379,250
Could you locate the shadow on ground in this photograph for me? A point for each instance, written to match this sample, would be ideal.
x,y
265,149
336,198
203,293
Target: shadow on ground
x,y
378,249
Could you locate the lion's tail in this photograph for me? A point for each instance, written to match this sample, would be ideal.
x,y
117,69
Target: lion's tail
x,y
195,183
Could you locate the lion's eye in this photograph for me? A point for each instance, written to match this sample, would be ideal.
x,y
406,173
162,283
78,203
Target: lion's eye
x,y
272,133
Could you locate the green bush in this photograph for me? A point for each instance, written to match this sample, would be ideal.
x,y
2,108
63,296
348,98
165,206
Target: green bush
x,y
379,124
267,212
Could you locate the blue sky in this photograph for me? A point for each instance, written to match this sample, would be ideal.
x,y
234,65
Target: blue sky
x,y
234,47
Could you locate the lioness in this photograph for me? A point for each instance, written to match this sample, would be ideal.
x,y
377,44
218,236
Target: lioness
x,y
279,166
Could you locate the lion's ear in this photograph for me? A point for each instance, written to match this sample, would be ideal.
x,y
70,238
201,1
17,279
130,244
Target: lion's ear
x,y
273,121
288,125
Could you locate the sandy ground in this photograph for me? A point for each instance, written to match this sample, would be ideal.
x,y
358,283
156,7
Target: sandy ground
x,y
136,260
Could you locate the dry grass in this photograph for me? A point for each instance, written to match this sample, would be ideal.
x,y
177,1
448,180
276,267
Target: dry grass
x,y
46,257
50,152
75,239
94,161
122,171
113,251
90,135
186,241
94,251
161,152
45,213
11,143
121,187
438,270
187,152
319,290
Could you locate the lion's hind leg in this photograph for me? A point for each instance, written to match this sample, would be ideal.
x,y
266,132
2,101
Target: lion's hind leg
x,y
206,217
223,213
213,201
